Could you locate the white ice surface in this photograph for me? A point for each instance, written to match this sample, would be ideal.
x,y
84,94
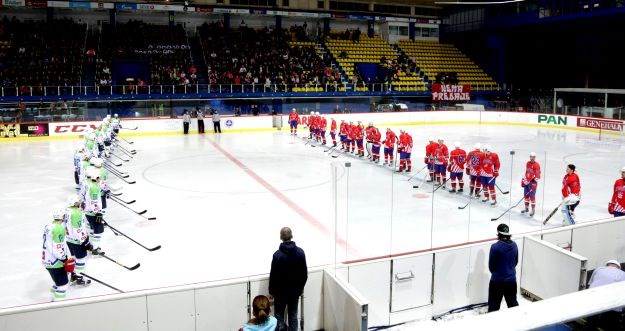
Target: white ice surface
x,y
219,217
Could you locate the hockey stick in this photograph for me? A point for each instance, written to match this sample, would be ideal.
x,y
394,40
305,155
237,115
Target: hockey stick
x,y
134,151
442,185
134,241
113,163
127,141
507,210
136,127
125,152
116,194
416,173
101,282
500,190
118,174
102,254
552,213
331,148
115,170
467,204
123,201
140,213
119,157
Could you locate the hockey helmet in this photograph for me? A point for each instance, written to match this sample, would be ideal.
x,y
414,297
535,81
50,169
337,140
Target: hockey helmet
x,y
623,169
72,200
478,146
614,262
312,113
532,154
431,139
115,115
58,214
486,148
370,123
317,113
293,110
457,144
503,229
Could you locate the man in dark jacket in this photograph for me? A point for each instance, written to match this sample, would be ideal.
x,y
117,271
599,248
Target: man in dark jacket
x,y
502,261
287,279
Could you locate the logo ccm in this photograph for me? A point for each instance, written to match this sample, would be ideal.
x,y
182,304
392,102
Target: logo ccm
x,y
73,128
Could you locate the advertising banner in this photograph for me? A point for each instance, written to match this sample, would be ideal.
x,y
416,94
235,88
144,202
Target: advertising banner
x,y
71,128
598,123
449,92
34,130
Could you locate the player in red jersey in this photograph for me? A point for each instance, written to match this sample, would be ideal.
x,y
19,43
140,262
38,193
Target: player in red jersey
x,y
404,147
473,169
311,123
389,146
293,121
429,157
343,130
333,131
616,206
375,143
457,159
359,135
323,125
530,184
571,189
489,173
351,138
441,155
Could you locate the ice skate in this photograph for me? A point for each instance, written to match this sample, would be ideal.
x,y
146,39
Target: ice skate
x,y
493,203
460,190
485,199
532,212
79,280
526,210
453,190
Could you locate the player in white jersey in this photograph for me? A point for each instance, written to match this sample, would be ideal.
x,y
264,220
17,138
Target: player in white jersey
x,y
103,175
78,156
91,198
55,256
77,237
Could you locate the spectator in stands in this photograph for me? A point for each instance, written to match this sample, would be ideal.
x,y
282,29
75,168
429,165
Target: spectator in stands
x,y
287,279
502,261
262,321
608,274
20,111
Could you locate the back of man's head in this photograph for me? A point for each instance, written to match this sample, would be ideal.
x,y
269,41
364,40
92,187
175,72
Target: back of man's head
x,y
286,234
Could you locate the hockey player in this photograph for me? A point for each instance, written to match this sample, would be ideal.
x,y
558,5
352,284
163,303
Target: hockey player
x,y
116,124
457,159
323,125
103,176
91,197
359,135
375,144
441,155
530,184
293,120
333,131
343,130
474,168
404,147
311,123
78,156
55,256
616,206
77,237
389,146
571,189
489,173
368,136
351,138
429,157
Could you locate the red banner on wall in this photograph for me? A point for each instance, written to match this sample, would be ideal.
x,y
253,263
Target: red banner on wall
x,y
449,92
599,124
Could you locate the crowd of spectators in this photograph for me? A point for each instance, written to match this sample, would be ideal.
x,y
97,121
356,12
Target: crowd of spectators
x,y
167,51
40,53
249,56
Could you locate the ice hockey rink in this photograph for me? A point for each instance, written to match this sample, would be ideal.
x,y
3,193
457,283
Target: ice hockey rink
x,y
220,201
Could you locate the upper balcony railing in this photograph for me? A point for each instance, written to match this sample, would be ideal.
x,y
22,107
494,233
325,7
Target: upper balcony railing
x,y
224,89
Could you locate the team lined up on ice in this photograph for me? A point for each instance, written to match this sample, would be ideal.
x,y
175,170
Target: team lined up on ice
x,y
77,227
481,164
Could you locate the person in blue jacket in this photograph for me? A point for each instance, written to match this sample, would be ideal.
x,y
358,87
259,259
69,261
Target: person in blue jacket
x,y
502,261
287,279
